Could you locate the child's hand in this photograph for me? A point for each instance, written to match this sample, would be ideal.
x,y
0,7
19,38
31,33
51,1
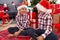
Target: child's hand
x,y
16,34
31,20
40,38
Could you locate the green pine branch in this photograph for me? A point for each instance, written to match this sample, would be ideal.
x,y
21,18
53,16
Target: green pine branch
x,y
34,2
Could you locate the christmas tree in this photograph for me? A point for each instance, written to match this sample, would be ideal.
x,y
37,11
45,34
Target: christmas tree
x,y
53,2
34,2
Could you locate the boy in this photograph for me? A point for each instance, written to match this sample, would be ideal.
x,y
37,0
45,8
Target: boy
x,y
44,30
23,25
21,19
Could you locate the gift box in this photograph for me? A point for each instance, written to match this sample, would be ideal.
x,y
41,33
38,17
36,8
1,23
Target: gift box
x,y
57,11
57,6
56,18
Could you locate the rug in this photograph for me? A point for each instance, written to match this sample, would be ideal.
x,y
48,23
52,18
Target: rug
x,y
4,33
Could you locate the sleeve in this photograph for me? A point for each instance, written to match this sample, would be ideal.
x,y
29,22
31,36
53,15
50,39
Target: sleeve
x,y
28,23
49,27
18,23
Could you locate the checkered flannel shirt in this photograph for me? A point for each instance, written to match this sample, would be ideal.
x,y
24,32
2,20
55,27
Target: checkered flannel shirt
x,y
45,23
22,21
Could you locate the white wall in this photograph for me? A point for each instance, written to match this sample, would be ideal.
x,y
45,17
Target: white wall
x,y
58,2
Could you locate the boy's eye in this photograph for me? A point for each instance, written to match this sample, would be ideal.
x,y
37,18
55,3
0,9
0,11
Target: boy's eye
x,y
24,8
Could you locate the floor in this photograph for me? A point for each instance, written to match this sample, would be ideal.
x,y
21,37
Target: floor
x,y
12,23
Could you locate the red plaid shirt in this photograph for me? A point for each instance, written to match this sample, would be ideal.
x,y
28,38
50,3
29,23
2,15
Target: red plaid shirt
x,y
22,21
45,23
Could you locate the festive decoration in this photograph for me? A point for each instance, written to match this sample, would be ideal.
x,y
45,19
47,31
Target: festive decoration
x,y
21,6
5,5
44,6
52,1
34,2
12,3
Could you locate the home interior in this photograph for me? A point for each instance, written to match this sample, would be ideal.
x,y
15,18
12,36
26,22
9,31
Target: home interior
x,y
12,12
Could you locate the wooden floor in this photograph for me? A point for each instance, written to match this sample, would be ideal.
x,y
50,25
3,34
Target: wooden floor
x,y
7,25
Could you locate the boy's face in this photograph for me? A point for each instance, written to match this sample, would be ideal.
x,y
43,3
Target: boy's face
x,y
39,11
23,10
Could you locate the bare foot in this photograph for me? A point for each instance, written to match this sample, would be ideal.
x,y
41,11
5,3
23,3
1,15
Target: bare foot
x,y
10,35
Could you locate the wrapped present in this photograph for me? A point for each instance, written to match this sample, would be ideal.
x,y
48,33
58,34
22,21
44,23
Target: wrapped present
x,y
56,18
